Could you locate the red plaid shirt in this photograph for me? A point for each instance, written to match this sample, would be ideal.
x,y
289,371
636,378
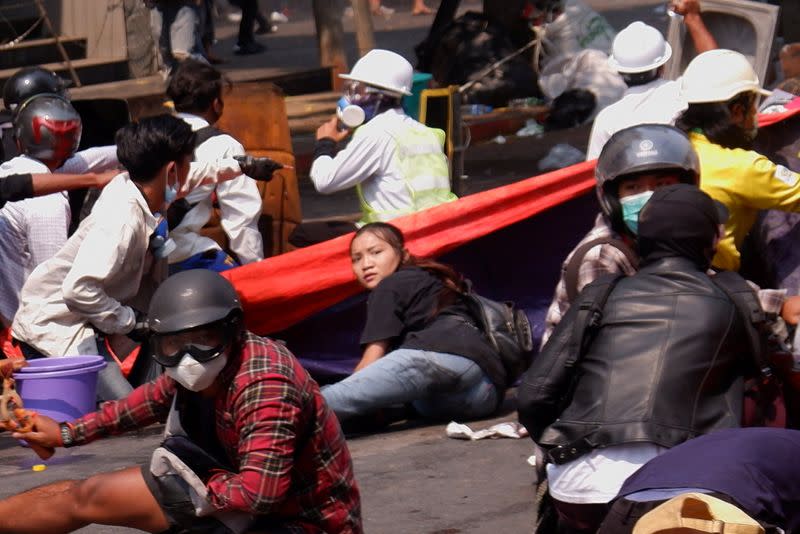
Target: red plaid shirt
x,y
294,465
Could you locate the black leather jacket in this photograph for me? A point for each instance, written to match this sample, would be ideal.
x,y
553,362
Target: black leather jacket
x,y
665,366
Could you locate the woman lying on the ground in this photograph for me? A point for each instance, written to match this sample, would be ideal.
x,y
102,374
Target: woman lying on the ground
x,y
420,344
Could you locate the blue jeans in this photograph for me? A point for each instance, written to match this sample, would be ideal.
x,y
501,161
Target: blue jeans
x,y
440,386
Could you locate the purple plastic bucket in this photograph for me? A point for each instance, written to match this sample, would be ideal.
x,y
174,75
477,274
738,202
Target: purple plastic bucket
x,y
61,388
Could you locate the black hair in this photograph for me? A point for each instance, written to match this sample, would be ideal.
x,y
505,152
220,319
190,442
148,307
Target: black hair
x,y
145,146
452,281
570,108
194,85
632,79
714,119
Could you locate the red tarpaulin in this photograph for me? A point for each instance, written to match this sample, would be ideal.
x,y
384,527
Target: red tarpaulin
x,y
281,291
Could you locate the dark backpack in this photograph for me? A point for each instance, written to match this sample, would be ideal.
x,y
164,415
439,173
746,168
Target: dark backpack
x,y
507,329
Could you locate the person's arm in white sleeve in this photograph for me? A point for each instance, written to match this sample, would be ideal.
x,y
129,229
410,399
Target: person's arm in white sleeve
x,y
357,162
240,205
99,260
599,135
96,159
214,172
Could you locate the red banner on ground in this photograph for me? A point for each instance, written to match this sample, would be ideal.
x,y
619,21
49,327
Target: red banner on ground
x,y
281,291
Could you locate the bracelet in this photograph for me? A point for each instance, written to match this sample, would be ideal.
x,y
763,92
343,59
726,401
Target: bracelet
x,y
66,435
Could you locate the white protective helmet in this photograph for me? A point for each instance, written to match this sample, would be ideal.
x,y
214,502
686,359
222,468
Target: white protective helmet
x,y
385,70
639,48
717,76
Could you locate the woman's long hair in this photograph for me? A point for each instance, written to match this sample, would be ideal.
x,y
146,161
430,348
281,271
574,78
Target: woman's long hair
x,y
453,283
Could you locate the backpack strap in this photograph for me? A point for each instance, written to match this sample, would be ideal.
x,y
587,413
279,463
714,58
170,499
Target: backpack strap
x,y
574,265
753,316
205,133
590,313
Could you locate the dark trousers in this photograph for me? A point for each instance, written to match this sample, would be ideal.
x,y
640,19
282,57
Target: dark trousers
x,y
249,13
310,233
579,518
624,514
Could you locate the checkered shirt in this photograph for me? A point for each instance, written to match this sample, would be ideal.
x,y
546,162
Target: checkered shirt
x,y
294,465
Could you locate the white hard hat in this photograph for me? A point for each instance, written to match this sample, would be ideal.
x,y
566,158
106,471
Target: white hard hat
x,y
717,76
639,48
385,70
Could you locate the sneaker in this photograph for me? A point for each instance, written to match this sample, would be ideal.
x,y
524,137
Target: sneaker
x,y
249,49
234,16
385,12
278,17
263,30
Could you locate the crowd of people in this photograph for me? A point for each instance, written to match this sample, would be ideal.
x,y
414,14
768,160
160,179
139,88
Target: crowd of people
x,y
654,344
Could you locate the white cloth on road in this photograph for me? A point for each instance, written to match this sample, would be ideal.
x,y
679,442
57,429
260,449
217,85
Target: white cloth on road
x,y
508,429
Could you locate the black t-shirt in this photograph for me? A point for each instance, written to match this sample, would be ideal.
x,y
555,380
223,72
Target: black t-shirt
x,y
401,310
15,187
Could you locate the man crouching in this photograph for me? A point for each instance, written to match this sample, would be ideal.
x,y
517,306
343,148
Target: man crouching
x,y
250,444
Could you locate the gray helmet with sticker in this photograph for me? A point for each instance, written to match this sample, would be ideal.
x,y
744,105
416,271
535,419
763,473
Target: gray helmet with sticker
x,y
47,128
639,149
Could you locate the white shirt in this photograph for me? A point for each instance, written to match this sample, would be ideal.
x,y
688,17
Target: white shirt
x,y
32,231
369,159
95,159
598,476
657,102
239,202
99,268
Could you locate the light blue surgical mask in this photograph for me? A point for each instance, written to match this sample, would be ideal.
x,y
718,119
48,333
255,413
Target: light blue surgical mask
x,y
631,206
170,194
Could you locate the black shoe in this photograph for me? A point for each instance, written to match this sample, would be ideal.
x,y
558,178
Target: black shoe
x,y
248,49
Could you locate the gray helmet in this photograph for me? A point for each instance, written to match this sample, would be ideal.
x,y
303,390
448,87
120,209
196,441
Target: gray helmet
x,y
639,149
47,128
190,299
31,81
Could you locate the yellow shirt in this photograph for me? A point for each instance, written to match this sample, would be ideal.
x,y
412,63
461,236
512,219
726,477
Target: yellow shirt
x,y
746,182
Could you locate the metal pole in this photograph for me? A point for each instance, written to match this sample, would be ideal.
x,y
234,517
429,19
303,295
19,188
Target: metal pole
x,y
365,34
330,37
61,50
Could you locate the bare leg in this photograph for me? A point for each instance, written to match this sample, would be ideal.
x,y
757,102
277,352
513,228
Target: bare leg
x,y
119,498
375,6
420,8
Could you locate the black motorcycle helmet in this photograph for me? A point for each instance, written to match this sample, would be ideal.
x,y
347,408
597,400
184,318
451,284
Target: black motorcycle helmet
x,y
191,300
31,81
639,149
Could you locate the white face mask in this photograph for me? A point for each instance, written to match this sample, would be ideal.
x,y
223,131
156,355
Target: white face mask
x,y
196,376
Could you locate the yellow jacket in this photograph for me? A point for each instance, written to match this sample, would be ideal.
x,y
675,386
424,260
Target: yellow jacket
x,y
746,182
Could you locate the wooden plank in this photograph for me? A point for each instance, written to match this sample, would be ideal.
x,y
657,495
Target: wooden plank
x,y
102,22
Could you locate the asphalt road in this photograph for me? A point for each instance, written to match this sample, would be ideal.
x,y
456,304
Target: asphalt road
x,y
413,479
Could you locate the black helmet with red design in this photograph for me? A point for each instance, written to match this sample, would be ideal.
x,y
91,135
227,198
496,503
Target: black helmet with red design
x,y
47,128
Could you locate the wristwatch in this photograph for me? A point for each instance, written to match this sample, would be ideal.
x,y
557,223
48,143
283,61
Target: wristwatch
x,y
66,435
